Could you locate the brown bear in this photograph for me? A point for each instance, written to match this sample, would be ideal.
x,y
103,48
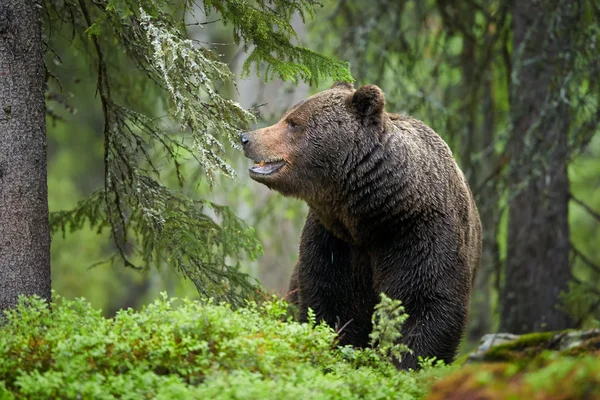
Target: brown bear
x,y
389,211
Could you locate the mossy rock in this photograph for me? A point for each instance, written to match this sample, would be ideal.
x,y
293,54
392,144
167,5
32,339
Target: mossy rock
x,y
580,343
548,365
525,348
552,376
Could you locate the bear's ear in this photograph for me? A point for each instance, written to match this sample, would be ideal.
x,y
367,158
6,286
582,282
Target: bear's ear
x,y
368,101
342,85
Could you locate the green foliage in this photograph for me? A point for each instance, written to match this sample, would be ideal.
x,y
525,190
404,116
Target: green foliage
x,y
388,319
176,227
266,25
169,72
581,302
386,348
185,349
583,298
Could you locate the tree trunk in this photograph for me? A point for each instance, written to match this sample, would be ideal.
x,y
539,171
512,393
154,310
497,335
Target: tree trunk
x,y
537,260
487,201
24,230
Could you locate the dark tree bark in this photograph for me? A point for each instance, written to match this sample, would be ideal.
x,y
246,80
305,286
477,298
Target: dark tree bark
x,y
537,260
24,230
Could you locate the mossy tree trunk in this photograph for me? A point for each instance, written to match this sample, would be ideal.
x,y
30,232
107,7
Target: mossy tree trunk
x,y
24,230
537,260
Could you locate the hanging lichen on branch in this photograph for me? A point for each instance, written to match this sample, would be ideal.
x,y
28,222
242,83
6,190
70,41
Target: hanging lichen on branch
x,y
165,226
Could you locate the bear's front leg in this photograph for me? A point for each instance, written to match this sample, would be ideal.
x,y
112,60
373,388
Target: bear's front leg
x,y
435,295
331,280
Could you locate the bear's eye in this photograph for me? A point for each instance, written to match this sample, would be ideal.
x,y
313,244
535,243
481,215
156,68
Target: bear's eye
x,y
293,125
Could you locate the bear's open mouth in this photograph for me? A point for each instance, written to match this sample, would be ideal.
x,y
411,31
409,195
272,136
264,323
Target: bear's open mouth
x,y
267,167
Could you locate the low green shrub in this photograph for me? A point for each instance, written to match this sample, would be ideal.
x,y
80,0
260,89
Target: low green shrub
x,y
183,349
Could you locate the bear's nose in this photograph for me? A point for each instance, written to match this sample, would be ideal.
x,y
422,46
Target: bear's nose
x,y
244,138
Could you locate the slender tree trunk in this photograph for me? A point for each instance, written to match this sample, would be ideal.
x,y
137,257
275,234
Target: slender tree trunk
x,y
487,201
537,261
24,231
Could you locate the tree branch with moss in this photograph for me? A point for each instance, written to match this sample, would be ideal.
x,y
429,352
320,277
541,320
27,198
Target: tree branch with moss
x,y
163,226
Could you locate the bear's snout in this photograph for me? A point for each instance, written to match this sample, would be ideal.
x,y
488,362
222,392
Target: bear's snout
x,y
249,146
269,148
266,144
244,138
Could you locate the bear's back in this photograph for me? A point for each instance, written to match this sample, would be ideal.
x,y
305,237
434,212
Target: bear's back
x,y
437,181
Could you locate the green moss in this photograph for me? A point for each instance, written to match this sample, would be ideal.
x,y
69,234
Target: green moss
x,y
532,367
523,349
551,376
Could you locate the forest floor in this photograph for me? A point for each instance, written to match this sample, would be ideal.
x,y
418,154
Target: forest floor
x,y
184,349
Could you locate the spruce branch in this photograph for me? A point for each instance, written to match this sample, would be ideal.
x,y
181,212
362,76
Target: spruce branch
x,y
147,220
586,260
587,208
103,89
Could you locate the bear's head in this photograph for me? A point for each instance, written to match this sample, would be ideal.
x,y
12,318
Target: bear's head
x,y
304,154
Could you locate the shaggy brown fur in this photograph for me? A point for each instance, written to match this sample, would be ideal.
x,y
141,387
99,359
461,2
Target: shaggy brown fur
x,y
390,211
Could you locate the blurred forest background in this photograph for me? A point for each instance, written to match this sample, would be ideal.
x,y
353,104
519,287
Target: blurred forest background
x,y
450,65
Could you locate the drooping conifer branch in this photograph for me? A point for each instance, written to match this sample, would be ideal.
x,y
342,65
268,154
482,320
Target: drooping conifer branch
x,y
151,224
